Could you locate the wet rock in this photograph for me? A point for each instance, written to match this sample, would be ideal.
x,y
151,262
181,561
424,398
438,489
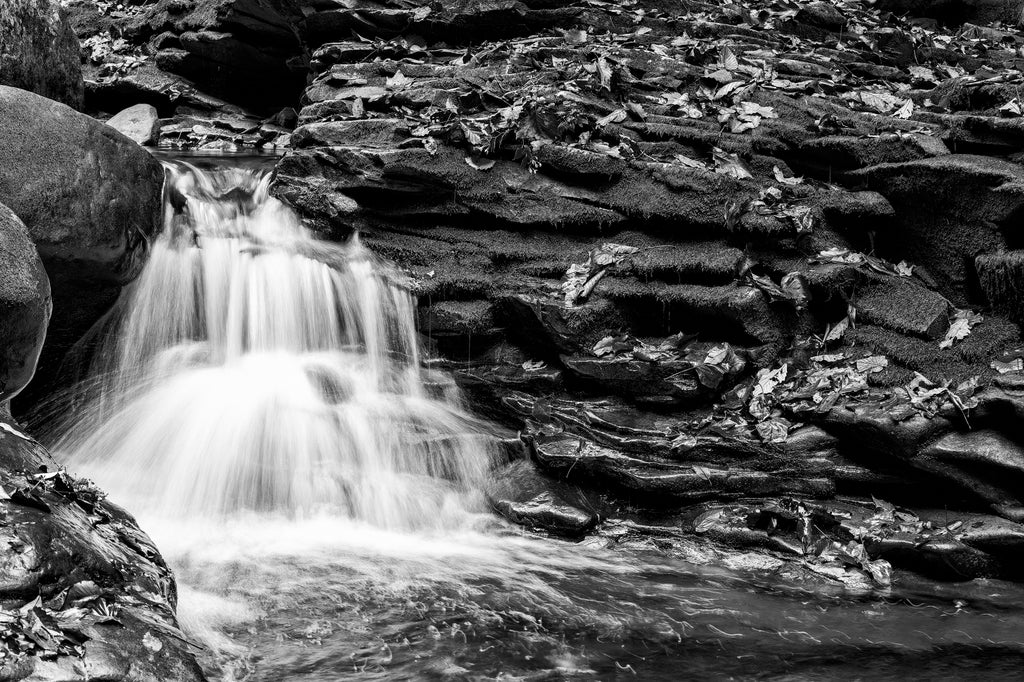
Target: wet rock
x,y
525,497
25,301
38,50
866,535
637,378
139,123
90,198
70,557
580,459
985,462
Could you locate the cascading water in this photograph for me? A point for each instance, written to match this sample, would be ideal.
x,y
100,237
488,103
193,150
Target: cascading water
x,y
253,368
257,400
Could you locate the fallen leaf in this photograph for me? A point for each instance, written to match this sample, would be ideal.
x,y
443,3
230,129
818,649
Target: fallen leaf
x,y
960,328
875,363
730,164
480,164
1015,365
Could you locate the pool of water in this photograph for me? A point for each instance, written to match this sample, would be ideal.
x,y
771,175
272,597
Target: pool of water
x,y
329,599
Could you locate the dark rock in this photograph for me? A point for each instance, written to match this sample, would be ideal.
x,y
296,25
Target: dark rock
x,y
38,50
903,306
823,14
138,123
25,302
636,378
958,11
986,462
839,153
62,538
524,496
972,208
247,73
657,481
1001,278
90,197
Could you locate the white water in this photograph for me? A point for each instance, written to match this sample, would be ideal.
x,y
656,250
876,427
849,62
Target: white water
x,y
258,402
252,368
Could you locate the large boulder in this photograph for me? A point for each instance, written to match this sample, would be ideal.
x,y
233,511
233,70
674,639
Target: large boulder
x,y
24,306
91,199
84,594
39,51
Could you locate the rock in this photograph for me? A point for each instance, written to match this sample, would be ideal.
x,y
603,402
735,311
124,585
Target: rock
x,y
38,50
663,482
139,123
974,203
986,462
90,198
903,306
636,378
839,153
1001,278
524,496
67,546
955,12
25,302
823,14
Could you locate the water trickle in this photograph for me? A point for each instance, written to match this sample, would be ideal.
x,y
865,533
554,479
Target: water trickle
x,y
254,368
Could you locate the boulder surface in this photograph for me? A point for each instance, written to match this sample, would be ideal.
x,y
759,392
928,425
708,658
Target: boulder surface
x,y
39,50
91,199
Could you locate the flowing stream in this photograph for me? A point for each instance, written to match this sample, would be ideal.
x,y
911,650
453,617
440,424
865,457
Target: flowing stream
x,y
257,399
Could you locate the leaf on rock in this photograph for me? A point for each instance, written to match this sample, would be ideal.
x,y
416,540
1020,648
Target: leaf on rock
x,y
399,80
780,177
875,363
479,163
835,332
906,110
730,164
1015,365
774,430
960,327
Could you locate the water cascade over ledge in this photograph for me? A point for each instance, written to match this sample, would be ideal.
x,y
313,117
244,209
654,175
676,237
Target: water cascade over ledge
x,y
253,368
257,399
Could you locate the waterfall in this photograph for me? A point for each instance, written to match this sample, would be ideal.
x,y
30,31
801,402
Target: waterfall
x,y
254,368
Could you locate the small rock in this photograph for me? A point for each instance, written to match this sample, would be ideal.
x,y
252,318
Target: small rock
x,y
822,14
139,123
902,306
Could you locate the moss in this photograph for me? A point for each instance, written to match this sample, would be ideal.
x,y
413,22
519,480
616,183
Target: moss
x,y
1001,278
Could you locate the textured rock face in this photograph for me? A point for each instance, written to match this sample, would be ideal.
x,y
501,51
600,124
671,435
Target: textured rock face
x,y
90,198
139,123
217,71
247,52
39,50
712,260
24,306
85,593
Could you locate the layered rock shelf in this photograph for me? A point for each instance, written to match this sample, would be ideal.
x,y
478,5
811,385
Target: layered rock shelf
x,y
746,277
714,258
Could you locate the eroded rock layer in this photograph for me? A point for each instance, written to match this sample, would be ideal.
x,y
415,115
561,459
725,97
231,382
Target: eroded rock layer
x,y
729,264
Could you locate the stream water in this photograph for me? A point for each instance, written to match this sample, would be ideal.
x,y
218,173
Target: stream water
x,y
258,401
